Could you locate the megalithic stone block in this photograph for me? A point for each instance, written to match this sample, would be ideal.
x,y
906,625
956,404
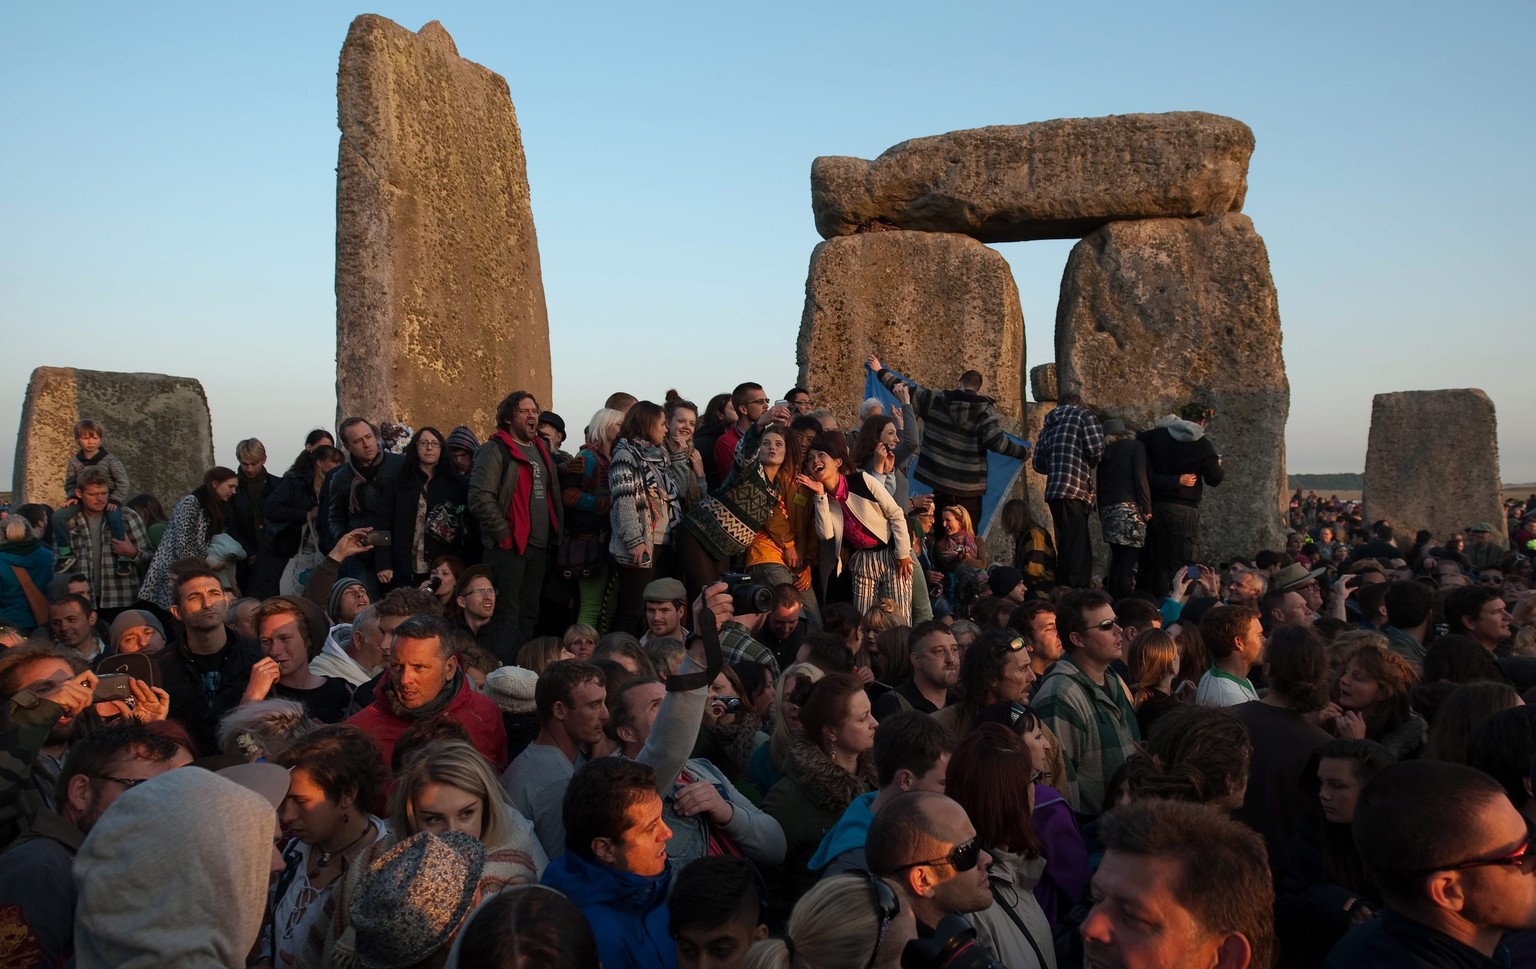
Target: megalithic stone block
x,y
1057,179
439,298
1159,312
930,305
1433,462
158,426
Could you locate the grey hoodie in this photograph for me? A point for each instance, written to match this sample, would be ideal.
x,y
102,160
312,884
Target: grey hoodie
x,y
174,875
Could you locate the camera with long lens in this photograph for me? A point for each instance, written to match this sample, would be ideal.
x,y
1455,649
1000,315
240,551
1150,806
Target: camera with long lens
x,y
748,596
953,946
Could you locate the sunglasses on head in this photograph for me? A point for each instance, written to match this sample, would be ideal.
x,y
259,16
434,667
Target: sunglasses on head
x,y
1013,645
887,905
962,857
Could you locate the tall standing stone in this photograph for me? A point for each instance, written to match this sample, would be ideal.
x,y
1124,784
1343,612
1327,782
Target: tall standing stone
x,y
1048,180
439,299
1159,312
158,426
1433,462
930,305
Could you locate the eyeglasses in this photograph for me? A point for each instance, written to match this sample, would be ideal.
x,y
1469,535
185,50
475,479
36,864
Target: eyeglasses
x,y
1521,858
760,400
887,905
962,857
129,782
1106,625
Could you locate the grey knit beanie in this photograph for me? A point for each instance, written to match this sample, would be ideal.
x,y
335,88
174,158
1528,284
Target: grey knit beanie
x,y
412,898
512,688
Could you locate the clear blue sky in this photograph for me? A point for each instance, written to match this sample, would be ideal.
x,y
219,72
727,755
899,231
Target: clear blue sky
x,y
167,188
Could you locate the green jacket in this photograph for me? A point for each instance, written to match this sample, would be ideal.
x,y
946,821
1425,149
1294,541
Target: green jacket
x,y
1096,727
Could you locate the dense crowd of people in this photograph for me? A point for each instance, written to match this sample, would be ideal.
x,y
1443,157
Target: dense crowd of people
x,y
734,686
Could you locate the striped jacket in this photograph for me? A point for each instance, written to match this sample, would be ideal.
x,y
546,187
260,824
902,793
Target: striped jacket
x,y
959,428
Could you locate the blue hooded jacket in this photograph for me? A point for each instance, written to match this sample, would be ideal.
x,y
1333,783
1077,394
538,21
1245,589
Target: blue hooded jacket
x,y
628,913
848,833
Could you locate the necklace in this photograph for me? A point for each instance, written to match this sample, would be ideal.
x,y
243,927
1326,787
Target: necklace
x,y
327,856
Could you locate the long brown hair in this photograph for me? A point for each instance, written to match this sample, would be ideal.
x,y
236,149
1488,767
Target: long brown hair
x,y
988,775
1150,659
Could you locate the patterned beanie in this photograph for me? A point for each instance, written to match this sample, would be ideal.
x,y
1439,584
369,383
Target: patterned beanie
x,y
462,438
511,687
412,898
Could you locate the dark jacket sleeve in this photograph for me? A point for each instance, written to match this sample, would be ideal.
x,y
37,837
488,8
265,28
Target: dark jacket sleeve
x,y
484,488
321,578
994,438
1139,477
289,503
1211,471
338,492
404,497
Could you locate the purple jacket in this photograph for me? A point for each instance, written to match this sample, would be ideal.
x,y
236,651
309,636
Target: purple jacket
x,y
1065,882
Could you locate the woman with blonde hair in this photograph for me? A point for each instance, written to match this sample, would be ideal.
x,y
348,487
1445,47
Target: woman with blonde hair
x,y
587,503
445,786
844,920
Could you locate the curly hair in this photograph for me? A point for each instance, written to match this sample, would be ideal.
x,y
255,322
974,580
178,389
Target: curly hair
x,y
1194,753
1397,679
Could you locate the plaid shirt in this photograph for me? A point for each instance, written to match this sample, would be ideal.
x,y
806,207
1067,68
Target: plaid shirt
x,y
737,645
99,564
1096,727
1070,445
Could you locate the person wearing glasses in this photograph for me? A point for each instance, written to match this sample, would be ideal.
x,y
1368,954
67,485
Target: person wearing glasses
x,y
1453,862
37,887
848,920
993,669
750,403
1085,703
926,843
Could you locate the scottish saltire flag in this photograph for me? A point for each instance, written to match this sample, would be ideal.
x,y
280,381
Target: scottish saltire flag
x,y
1002,471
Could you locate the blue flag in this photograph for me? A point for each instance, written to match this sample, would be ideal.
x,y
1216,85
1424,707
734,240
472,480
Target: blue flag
x,y
1002,471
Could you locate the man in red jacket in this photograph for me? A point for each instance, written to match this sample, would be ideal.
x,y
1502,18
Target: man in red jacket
x,y
423,681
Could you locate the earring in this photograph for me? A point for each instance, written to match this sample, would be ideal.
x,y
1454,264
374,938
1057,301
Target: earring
x,y
345,817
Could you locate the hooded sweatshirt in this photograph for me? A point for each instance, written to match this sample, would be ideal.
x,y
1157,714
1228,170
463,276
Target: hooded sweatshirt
x,y
1176,447
628,913
848,835
174,875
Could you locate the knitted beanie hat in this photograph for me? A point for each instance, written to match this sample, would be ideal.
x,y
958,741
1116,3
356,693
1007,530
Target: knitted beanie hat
x,y
413,897
462,438
337,588
1003,579
512,688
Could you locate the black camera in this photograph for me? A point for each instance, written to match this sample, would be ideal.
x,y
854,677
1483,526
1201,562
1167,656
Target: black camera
x,y
434,583
748,596
953,946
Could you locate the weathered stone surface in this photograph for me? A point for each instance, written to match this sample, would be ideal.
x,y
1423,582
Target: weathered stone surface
x,y
1048,180
1030,487
930,305
1156,313
1042,382
1433,462
439,298
158,426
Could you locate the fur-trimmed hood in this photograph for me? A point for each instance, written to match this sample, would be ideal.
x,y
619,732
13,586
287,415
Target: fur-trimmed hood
x,y
827,785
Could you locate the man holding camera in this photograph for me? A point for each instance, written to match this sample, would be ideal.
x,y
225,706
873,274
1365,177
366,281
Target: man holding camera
x,y
706,813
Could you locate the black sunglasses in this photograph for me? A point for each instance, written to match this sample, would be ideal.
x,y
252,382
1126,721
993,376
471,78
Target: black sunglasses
x,y
887,905
962,857
1106,625
1013,645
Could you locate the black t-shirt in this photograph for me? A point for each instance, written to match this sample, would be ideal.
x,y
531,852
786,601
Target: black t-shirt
x,y
327,703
